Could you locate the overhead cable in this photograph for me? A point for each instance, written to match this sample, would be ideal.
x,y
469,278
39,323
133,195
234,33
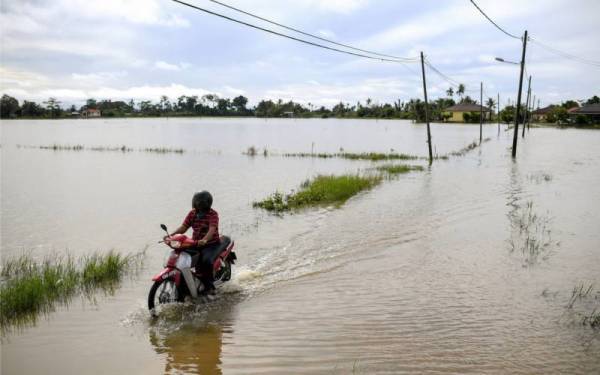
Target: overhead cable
x,y
288,36
565,54
445,77
494,23
407,59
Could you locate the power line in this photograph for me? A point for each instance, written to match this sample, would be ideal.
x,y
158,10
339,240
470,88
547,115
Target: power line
x,y
544,46
288,36
494,23
445,77
407,59
565,54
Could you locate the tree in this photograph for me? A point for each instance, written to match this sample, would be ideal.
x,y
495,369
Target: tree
x,y
593,100
165,105
558,115
31,109
450,92
507,115
90,103
9,106
239,103
467,100
461,91
53,106
570,104
190,102
223,106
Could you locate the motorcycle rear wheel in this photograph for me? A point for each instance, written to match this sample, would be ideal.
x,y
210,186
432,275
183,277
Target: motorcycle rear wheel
x,y
167,293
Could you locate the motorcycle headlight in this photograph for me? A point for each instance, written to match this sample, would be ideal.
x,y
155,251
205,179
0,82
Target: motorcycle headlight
x,y
175,244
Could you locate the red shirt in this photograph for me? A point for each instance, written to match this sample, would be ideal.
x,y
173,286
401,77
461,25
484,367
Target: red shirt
x,y
201,225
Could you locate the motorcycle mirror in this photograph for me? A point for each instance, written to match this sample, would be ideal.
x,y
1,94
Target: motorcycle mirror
x,y
164,227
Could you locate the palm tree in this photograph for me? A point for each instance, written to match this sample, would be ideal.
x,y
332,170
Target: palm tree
x,y
450,92
491,104
461,91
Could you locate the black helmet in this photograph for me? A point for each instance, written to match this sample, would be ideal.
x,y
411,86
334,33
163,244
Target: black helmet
x,y
202,201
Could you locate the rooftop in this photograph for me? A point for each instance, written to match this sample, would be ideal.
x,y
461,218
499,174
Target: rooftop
x,y
466,108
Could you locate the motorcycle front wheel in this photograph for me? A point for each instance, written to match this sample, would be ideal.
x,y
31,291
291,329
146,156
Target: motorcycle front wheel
x,y
163,292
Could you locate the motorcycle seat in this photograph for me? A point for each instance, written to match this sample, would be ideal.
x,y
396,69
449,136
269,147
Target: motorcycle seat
x,y
225,242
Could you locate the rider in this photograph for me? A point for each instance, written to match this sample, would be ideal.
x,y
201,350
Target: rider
x,y
205,224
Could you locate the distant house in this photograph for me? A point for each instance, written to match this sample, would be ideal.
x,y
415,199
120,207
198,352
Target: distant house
x,y
457,112
541,114
90,112
591,111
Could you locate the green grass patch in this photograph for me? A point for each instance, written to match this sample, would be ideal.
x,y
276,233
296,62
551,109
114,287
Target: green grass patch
x,y
394,169
164,150
322,190
371,156
56,147
30,288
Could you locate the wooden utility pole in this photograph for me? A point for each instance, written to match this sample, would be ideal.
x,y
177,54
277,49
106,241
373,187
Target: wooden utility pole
x,y
532,109
480,112
526,113
426,109
516,135
498,114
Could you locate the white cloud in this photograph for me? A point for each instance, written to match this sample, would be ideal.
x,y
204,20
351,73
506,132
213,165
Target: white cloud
x,y
166,66
77,87
149,12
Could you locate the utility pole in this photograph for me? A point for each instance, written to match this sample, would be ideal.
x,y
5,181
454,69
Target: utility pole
x,y
532,109
526,113
426,109
498,114
516,135
480,112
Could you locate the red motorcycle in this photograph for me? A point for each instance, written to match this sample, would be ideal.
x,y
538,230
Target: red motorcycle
x,y
170,286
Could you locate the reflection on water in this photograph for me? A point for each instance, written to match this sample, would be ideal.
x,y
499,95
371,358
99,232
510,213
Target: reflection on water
x,y
195,350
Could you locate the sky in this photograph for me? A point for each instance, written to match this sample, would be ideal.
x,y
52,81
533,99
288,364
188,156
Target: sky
x,y
141,49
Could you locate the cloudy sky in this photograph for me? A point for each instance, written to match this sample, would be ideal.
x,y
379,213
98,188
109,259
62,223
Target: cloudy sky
x,y
141,49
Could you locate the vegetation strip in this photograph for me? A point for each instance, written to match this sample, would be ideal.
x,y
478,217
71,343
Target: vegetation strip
x,y
29,288
394,169
321,190
123,148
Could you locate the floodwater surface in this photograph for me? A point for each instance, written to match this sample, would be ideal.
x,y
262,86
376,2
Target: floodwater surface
x,y
466,267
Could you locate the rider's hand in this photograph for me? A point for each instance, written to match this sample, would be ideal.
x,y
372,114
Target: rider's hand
x,y
201,242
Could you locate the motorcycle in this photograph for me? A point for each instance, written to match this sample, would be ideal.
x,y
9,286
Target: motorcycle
x,y
170,286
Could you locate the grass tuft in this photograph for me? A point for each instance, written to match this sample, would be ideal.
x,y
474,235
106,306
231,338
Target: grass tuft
x,y
394,169
371,156
322,190
164,150
30,288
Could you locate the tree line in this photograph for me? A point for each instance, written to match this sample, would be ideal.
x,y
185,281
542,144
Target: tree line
x,y
213,105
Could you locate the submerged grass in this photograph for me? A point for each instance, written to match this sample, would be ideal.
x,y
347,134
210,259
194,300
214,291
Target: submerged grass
x,y
584,300
322,190
56,147
394,169
371,156
29,288
164,150
123,148
532,235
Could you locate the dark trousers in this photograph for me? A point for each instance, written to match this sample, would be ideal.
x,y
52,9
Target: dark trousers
x,y
203,259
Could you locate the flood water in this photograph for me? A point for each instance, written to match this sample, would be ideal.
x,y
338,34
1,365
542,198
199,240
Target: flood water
x,y
427,273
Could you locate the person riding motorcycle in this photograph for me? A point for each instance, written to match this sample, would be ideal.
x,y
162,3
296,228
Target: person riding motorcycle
x,y
205,224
